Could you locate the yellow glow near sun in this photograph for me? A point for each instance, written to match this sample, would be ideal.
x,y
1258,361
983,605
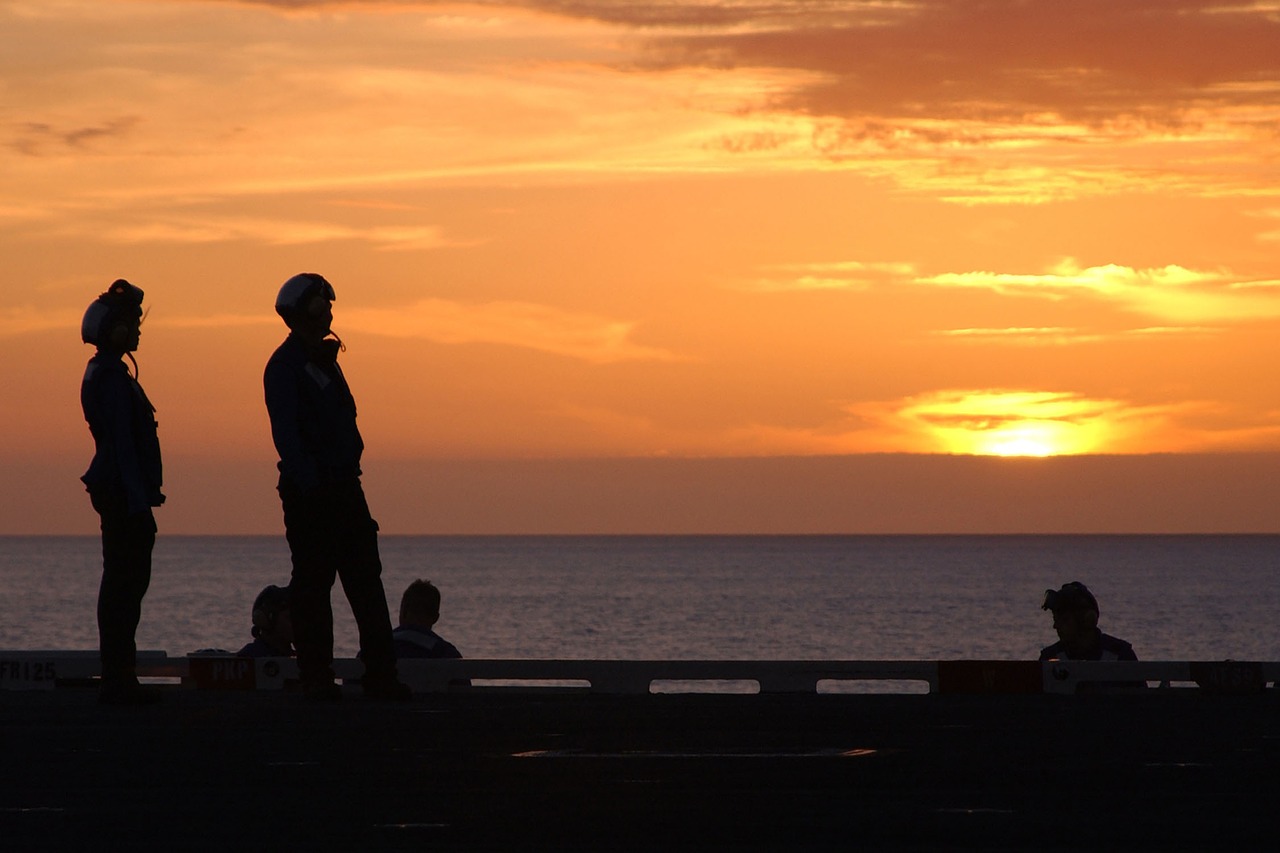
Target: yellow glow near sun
x,y
1011,423
1024,439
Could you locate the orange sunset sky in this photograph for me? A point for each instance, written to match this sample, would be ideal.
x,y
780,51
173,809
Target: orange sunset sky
x,y
671,265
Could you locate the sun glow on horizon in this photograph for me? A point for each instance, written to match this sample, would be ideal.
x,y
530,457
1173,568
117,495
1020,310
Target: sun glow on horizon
x,y
1025,439
1012,423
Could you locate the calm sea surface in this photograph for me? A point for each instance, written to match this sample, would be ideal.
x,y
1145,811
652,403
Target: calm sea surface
x,y
768,597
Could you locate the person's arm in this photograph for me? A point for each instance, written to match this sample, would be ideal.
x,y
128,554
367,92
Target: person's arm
x,y
284,407
117,406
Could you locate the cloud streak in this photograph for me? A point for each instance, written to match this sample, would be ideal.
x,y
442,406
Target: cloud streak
x,y
837,275
275,232
523,325
1066,336
1172,293
25,320
517,324
35,139
995,102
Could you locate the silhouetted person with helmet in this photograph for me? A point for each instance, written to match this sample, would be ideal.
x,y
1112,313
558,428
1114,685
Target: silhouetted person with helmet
x,y
327,522
123,482
272,626
1075,618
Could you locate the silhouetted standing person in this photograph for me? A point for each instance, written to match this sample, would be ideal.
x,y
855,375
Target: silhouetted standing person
x,y
327,522
123,482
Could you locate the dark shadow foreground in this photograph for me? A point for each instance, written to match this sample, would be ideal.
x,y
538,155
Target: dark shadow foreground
x,y
224,771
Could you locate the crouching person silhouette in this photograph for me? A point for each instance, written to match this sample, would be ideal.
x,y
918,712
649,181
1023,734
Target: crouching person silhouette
x,y
272,626
330,531
415,636
123,482
1075,619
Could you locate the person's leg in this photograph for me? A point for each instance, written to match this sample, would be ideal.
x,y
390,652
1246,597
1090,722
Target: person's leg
x,y
127,543
309,531
361,575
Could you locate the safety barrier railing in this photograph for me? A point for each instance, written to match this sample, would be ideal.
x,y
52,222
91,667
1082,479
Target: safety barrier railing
x,y
46,669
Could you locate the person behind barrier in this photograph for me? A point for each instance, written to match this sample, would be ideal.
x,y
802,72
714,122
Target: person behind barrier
x,y
272,626
330,531
1075,618
123,482
415,636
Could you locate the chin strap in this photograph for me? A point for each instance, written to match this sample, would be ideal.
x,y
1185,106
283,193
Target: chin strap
x,y
134,362
325,353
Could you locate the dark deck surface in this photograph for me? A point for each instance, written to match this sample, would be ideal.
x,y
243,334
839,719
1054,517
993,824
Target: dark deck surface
x,y
555,771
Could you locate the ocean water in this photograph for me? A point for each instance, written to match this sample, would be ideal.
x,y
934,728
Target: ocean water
x,y
696,597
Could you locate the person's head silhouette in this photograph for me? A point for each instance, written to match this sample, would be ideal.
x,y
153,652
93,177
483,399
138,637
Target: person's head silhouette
x,y
305,303
113,321
1075,613
420,604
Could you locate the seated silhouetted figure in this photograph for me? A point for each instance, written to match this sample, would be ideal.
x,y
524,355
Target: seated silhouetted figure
x,y
272,626
419,612
1075,618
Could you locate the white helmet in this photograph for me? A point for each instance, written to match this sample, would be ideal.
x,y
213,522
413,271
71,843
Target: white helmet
x,y
297,292
120,303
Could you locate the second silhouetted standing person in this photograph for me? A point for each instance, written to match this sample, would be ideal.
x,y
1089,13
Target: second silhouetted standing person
x,y
123,481
327,522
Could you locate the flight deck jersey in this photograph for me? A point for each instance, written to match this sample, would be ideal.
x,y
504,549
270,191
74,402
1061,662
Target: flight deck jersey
x,y
313,417
126,463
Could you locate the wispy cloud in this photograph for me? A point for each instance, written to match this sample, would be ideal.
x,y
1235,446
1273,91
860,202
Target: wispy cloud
x,y
1004,59
517,324
221,321
1270,236
35,139
1172,293
1002,101
1066,336
1024,336
836,275
976,103
25,319
542,328
276,232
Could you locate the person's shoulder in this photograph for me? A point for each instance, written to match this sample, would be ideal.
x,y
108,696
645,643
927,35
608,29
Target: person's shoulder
x,y
410,642
416,642
406,649
1051,652
104,368
286,360
1118,647
290,350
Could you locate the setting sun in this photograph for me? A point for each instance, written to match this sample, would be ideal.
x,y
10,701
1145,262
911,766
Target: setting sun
x,y
1010,423
1022,440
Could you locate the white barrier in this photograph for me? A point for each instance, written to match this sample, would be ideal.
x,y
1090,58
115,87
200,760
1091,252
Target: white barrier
x,y
45,669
